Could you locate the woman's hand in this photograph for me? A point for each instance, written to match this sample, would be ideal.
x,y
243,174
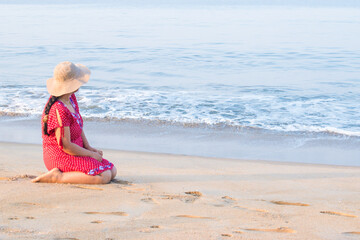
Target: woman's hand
x,y
99,151
87,145
97,156
95,150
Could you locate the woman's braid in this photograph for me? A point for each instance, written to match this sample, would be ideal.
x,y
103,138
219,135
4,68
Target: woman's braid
x,y
52,100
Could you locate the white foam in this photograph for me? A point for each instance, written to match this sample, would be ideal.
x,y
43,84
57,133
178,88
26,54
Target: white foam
x,y
270,111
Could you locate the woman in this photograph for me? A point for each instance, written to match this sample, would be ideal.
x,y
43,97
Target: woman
x,y
67,153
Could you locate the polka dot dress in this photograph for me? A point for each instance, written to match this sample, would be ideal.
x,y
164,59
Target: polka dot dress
x,y
54,156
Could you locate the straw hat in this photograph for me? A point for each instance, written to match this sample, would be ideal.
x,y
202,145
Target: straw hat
x,y
67,78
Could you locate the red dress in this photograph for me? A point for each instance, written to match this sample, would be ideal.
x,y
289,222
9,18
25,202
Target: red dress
x,y
54,156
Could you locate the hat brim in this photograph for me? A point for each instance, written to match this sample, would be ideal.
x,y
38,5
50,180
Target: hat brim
x,y
56,88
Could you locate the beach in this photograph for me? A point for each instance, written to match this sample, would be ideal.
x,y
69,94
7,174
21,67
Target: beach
x,y
224,119
167,196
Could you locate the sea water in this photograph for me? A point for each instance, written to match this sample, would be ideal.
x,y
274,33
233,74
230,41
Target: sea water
x,y
242,68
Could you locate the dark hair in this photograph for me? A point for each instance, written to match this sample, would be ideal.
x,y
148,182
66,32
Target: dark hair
x,y
51,101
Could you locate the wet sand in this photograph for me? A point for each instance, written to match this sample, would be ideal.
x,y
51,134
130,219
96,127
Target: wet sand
x,y
219,142
163,196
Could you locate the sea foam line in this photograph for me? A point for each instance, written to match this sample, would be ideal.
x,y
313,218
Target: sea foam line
x,y
254,108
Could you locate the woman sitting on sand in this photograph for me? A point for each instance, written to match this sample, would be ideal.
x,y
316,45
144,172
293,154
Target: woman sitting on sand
x,y
67,153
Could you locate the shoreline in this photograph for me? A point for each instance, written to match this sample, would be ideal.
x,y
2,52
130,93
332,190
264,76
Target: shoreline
x,y
204,142
162,196
325,132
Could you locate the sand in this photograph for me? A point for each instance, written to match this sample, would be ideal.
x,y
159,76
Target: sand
x,y
162,196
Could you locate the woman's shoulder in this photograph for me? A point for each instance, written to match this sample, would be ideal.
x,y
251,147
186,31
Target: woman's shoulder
x,y
59,116
58,106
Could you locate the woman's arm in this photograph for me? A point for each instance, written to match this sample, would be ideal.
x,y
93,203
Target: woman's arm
x,y
72,148
85,141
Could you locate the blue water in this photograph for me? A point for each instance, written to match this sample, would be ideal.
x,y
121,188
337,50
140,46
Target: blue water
x,y
285,68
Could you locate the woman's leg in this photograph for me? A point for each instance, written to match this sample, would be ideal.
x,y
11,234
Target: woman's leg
x,y
113,172
56,176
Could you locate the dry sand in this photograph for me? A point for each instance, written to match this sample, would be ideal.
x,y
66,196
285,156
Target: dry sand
x,y
160,196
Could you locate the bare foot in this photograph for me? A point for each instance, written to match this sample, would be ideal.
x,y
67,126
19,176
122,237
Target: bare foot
x,y
52,176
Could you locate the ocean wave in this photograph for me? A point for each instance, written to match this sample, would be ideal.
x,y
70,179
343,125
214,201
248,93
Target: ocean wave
x,y
295,130
262,108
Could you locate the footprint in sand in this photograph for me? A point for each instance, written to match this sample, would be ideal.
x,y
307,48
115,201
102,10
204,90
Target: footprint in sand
x,y
356,233
194,193
155,226
31,205
4,229
29,217
109,213
123,182
97,221
13,218
226,235
279,230
192,216
26,204
289,203
338,214
183,198
24,176
15,178
228,199
150,200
